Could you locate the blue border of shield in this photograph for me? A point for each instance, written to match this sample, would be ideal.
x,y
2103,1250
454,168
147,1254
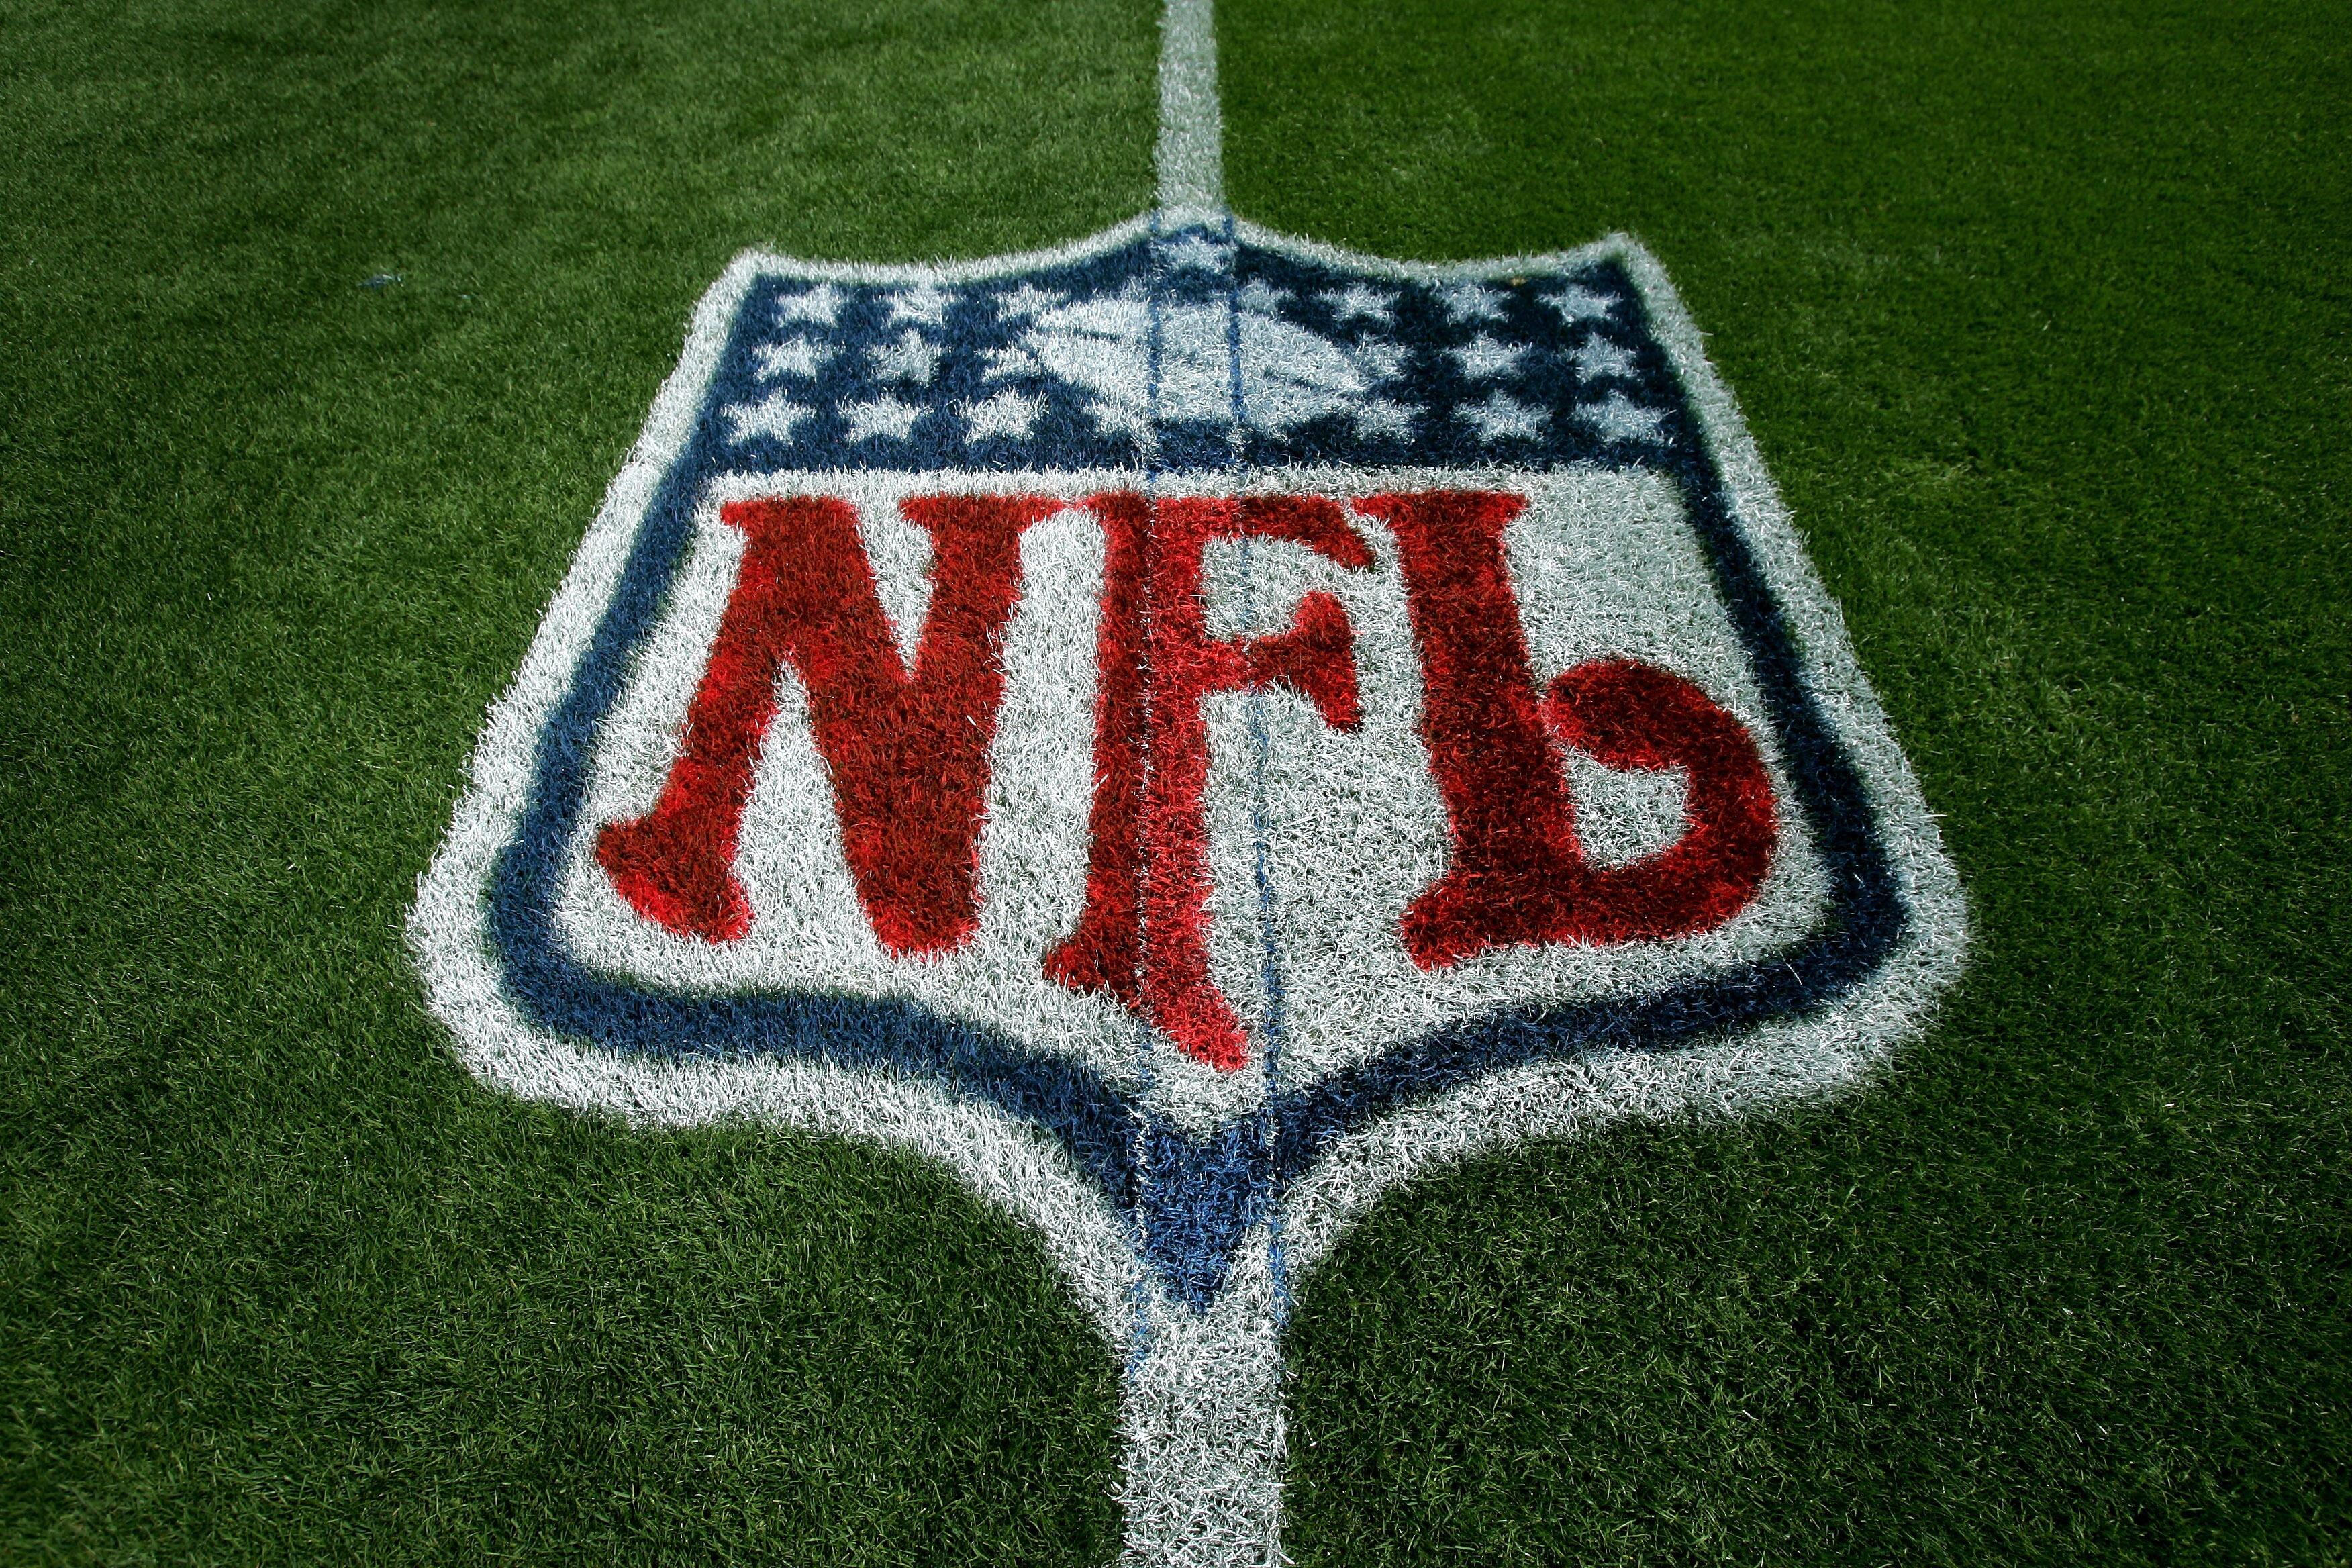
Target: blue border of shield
x,y
1202,1195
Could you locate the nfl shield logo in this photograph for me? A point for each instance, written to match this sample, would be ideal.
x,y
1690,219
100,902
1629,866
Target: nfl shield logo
x,y
1187,730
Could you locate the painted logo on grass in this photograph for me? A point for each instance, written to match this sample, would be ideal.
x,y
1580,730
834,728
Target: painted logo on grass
x,y
1187,730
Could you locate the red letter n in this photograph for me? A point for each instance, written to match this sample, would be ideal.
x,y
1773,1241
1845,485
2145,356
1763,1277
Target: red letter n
x,y
908,754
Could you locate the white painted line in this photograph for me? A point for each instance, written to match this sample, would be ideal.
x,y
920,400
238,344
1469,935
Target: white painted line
x,y
1200,1410
1191,127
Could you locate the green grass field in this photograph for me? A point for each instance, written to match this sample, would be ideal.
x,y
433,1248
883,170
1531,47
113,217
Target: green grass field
x,y
2042,318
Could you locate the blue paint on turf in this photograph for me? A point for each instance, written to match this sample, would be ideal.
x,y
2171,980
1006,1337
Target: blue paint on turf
x,y
1202,1195
1274,1026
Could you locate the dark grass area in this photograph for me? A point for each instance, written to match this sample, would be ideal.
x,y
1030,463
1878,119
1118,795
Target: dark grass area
x,y
282,1284
2040,317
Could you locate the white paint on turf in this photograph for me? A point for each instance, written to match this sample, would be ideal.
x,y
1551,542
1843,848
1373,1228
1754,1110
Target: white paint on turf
x,y
1191,155
1189,1502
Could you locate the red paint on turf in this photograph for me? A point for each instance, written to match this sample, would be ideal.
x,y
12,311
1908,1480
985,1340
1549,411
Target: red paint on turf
x,y
1105,953
1519,876
1316,657
1148,871
907,755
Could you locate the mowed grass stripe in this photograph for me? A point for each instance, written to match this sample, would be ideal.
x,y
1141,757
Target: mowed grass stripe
x,y
282,1283
2038,315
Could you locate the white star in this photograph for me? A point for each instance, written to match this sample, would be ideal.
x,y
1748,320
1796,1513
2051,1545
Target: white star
x,y
799,357
1381,417
1500,416
1596,356
1194,250
909,359
924,303
1006,413
1115,417
1026,300
1468,302
1381,360
1577,304
821,303
883,417
1357,302
1482,357
1011,360
774,414
1262,297
1622,420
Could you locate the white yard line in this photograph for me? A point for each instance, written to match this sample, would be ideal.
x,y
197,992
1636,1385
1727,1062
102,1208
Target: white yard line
x,y
1191,157
1202,1408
